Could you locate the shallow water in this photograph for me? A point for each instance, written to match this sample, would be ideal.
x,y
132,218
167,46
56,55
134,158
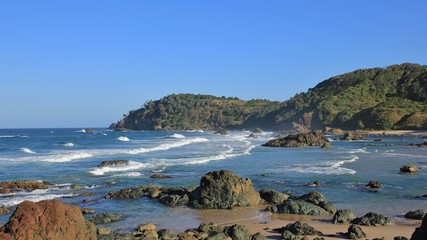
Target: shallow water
x,y
71,156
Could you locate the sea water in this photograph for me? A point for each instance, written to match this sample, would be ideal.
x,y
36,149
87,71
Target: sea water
x,y
71,156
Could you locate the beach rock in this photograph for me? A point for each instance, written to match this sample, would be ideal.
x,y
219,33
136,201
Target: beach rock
x,y
408,169
237,232
299,228
273,196
417,214
223,190
400,238
104,218
315,138
113,163
103,231
343,216
355,232
352,136
258,236
165,234
373,185
146,231
287,235
210,228
326,145
116,236
25,185
221,131
87,194
372,219
47,220
174,200
420,233
87,210
160,176
4,210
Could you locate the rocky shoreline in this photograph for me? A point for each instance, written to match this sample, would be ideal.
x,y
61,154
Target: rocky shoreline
x,y
217,190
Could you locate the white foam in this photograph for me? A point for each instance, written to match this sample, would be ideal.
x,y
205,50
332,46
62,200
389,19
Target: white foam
x,y
177,135
358,150
68,157
70,144
26,150
80,131
192,131
7,136
326,167
132,165
123,139
166,146
9,202
129,174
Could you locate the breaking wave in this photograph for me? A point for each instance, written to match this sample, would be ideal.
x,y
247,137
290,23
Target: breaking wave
x,y
123,139
26,150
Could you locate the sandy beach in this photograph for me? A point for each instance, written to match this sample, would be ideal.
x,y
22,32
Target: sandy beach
x,y
257,220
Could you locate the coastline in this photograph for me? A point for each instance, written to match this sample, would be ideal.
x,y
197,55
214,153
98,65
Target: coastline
x,y
413,133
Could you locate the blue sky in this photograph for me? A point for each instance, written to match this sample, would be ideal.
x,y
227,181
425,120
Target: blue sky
x,y
85,63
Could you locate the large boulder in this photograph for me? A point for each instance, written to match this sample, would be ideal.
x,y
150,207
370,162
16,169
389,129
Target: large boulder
x,y
372,219
299,228
420,233
417,214
315,138
47,220
223,190
343,216
355,232
273,196
24,185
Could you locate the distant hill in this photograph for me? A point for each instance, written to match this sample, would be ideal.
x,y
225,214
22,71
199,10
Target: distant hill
x,y
379,98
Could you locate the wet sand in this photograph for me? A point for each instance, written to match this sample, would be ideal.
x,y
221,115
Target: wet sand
x,y
257,220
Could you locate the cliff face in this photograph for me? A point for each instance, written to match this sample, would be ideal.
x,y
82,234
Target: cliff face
x,y
379,98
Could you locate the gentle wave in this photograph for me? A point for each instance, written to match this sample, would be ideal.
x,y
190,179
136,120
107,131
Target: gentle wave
x,y
404,155
68,157
167,146
177,135
129,174
14,136
327,167
70,144
123,139
9,202
26,150
132,165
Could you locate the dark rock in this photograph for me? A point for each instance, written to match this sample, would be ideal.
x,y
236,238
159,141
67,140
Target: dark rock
x,y
408,169
372,219
77,187
4,210
355,232
87,211
25,185
47,220
237,232
88,130
221,131
251,135
400,238
223,190
104,218
374,184
127,193
352,136
378,140
174,200
417,214
420,233
299,228
314,138
160,176
326,145
313,184
287,235
333,131
87,194
113,163
343,216
258,236
421,145
116,236
273,196
165,234
210,228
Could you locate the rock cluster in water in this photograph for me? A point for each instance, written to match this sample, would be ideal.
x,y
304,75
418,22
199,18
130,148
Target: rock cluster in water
x,y
314,138
25,185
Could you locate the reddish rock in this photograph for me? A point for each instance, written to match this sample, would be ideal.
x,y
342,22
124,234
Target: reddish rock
x,y
47,220
28,185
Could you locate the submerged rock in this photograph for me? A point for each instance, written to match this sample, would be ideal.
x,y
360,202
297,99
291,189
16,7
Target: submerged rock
x,y
315,138
417,214
113,163
343,216
87,211
223,190
24,185
47,220
372,219
373,185
160,176
408,169
104,218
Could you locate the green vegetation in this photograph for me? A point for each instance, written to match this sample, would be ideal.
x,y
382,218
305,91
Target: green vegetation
x,y
379,98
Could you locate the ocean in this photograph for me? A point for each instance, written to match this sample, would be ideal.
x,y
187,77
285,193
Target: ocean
x,y
71,156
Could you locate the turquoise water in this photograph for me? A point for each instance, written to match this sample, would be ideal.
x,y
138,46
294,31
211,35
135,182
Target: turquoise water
x,y
71,156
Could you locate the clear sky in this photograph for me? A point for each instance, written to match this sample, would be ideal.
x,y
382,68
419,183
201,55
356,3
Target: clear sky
x,y
85,63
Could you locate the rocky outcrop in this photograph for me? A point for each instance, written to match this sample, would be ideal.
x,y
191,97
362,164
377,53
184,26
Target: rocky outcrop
x,y
47,220
343,216
408,169
25,185
223,190
355,232
352,136
104,218
420,233
113,163
374,185
273,196
372,219
417,214
315,138
297,228
312,203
